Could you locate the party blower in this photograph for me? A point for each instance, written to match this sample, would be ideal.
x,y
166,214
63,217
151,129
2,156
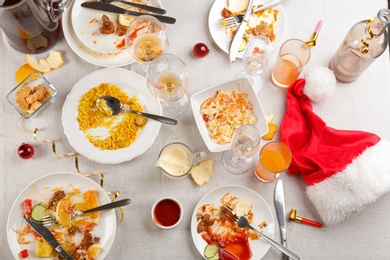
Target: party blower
x,y
314,37
293,217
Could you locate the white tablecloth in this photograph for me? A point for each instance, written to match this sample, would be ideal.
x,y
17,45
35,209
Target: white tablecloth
x,y
361,105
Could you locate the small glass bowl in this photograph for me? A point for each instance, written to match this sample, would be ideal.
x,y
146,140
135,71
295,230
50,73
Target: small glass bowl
x,y
31,81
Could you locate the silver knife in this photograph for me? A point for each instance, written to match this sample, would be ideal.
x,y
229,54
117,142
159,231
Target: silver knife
x,y
141,6
118,10
47,236
280,211
236,42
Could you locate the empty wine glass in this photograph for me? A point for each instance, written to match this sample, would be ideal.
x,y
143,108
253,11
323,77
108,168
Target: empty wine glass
x,y
245,143
146,39
167,80
255,60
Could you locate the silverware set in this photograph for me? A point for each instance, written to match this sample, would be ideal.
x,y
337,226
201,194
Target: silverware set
x,y
237,19
243,223
105,5
49,220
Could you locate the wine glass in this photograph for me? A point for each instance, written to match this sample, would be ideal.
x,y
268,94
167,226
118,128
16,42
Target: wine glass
x,y
146,39
167,80
255,60
245,143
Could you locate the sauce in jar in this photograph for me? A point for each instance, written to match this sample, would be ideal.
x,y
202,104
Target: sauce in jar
x,y
167,212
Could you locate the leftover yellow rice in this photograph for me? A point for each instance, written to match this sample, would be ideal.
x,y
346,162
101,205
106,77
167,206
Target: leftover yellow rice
x,y
120,134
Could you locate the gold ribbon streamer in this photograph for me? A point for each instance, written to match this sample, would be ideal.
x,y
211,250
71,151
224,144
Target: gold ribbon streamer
x,y
76,160
365,48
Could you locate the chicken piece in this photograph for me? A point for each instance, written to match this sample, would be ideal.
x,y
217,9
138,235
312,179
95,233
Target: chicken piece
x,y
140,120
56,197
121,30
108,27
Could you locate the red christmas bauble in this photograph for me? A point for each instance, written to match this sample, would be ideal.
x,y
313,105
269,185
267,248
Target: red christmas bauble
x,y
25,151
200,50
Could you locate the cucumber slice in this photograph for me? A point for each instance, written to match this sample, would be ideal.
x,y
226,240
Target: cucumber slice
x,y
38,212
242,45
211,250
216,257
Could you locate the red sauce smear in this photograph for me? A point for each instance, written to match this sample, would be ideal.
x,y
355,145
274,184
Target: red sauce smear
x,y
167,212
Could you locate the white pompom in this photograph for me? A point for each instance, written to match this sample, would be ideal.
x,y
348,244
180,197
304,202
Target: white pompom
x,y
320,83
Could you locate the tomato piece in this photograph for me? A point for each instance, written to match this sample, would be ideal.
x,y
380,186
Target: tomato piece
x,y
24,254
27,207
205,118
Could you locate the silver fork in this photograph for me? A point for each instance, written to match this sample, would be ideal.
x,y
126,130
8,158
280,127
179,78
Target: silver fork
x,y
242,222
141,6
237,19
49,220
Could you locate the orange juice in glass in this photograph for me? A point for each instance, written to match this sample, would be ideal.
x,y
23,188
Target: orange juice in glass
x,y
293,55
275,157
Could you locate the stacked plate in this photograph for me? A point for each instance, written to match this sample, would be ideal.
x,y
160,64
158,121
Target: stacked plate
x,y
81,30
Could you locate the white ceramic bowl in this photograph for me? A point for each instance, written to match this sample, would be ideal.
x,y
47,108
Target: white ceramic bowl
x,y
198,98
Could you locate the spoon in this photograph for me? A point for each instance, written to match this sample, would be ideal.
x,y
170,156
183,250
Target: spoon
x,y
115,106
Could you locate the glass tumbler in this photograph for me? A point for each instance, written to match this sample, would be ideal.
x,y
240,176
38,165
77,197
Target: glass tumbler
x,y
293,55
275,157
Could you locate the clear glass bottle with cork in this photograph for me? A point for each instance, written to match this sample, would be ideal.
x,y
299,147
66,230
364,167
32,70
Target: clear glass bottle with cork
x,y
365,41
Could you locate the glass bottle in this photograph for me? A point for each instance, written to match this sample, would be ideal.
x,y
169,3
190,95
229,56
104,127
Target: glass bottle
x,y
365,41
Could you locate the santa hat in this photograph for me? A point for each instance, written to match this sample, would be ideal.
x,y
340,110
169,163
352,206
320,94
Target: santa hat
x,y
344,170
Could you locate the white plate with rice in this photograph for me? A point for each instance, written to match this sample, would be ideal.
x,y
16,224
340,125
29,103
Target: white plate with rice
x,y
130,83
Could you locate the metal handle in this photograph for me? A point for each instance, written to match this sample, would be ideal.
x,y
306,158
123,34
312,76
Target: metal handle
x,y
144,7
277,245
161,119
111,205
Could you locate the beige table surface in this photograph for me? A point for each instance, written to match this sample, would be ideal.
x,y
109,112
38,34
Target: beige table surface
x,y
363,105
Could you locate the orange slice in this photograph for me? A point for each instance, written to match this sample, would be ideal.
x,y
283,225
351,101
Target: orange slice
x,y
91,202
39,65
63,213
93,251
23,72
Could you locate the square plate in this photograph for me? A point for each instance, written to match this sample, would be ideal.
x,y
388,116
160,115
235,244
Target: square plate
x,y
198,98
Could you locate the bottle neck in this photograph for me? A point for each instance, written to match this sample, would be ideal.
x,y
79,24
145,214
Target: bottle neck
x,y
377,26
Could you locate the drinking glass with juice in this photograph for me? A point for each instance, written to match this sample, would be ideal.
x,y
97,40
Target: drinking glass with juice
x,y
293,55
275,157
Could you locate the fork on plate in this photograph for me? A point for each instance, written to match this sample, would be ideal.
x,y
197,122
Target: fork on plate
x,y
49,220
141,6
237,19
242,222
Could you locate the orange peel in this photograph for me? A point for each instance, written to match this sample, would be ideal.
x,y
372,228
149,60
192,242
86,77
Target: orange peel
x,y
38,65
53,61
272,129
23,72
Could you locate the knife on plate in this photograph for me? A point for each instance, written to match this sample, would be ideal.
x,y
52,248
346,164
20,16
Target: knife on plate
x,y
47,236
118,10
142,6
280,211
236,42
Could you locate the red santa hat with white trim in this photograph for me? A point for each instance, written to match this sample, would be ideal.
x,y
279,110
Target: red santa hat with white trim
x,y
344,170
